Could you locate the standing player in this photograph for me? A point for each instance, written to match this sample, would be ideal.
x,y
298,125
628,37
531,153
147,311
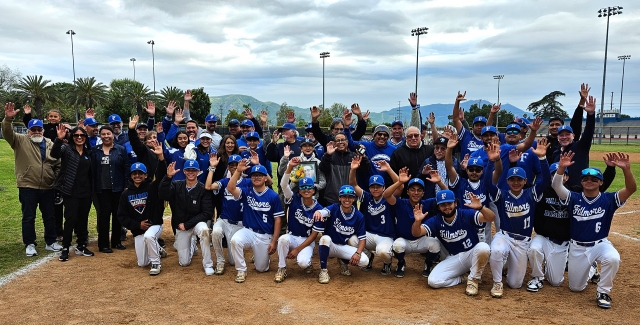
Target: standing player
x,y
591,213
261,218
455,228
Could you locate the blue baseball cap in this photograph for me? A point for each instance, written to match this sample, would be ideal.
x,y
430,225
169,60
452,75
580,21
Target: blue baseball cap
x,y
553,168
308,127
397,122
287,126
114,118
376,180
478,162
565,128
35,123
522,122
445,196
516,172
234,122
252,135
306,181
347,190
489,128
595,172
246,154
247,123
211,118
258,169
191,164
90,121
139,167
234,159
480,119
513,126
416,181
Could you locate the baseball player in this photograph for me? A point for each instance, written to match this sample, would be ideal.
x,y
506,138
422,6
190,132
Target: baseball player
x,y
261,218
230,219
191,207
343,221
298,243
591,213
455,227
516,206
379,219
140,210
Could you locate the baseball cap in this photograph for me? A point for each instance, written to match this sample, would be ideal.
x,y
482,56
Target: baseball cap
x,y
139,167
476,162
445,196
595,172
191,164
347,190
142,125
522,122
376,180
397,122
308,127
234,122
114,118
489,128
565,128
90,121
247,123
306,181
234,159
306,141
381,128
211,118
205,135
513,126
441,140
252,135
35,123
259,169
516,172
416,181
480,119
553,168
287,126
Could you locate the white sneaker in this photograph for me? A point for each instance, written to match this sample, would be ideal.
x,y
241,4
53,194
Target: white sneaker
x,y
155,269
324,276
163,252
54,247
241,276
281,274
534,285
496,291
209,271
31,250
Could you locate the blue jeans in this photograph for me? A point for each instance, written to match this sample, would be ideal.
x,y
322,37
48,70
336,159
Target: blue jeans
x,y
30,199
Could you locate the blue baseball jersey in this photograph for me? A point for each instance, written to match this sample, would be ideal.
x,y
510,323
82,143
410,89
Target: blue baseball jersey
x,y
462,187
458,236
260,209
591,218
404,216
341,226
469,142
378,216
300,221
516,212
232,209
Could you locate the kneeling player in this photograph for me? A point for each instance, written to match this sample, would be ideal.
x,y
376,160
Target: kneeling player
x,y
456,229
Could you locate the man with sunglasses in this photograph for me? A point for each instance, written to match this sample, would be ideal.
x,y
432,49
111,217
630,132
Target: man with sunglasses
x,y
211,123
591,213
377,150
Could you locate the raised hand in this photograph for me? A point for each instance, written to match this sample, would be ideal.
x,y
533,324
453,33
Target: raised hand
x,y
453,141
448,132
514,155
460,97
188,96
382,165
10,111
171,170
432,118
159,127
331,147
403,175
171,107
214,160
255,159
347,117
426,169
413,99
157,148
133,121
315,113
355,109
90,113
365,116
355,162
151,108
434,177
541,149
264,117
179,117
61,131
464,162
248,113
26,109
287,151
475,203
275,136
80,124
584,91
493,152
623,161
590,107
242,165
417,212
291,117
536,124
496,108
295,161
609,159
566,159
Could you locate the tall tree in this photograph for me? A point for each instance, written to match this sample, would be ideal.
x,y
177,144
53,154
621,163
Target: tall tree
x,y
38,89
281,114
200,105
168,94
138,95
549,106
8,78
119,101
88,93
327,116
62,100
504,117
233,114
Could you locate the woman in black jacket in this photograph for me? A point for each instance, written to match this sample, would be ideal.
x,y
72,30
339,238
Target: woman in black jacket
x,y
74,182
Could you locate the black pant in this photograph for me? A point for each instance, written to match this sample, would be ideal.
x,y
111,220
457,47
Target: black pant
x,y
108,208
59,216
76,217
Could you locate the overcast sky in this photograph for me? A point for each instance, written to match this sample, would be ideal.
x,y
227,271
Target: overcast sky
x,y
270,49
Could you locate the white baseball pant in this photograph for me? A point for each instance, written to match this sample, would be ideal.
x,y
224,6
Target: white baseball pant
x,y
447,273
222,228
381,245
344,252
542,250
503,247
581,258
421,245
287,242
259,243
147,247
185,249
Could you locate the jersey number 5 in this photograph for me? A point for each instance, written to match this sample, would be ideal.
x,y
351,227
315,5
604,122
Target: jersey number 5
x,y
264,218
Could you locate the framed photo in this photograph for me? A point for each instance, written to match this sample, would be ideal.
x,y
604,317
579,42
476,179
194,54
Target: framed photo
x,y
310,170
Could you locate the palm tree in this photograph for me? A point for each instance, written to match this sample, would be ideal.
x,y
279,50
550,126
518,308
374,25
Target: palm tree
x,y
138,95
88,92
38,89
168,94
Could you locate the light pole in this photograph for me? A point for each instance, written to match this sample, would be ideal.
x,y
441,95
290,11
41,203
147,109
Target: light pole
x,y
498,77
605,12
133,60
153,57
624,59
417,32
323,55
73,62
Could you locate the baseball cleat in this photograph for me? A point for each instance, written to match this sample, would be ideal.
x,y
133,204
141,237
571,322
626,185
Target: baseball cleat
x,y
427,269
324,276
309,269
472,287
603,299
155,269
163,252
496,291
595,278
82,250
386,269
344,267
31,250
219,268
64,255
241,276
54,247
370,265
400,269
209,271
162,243
281,274
534,285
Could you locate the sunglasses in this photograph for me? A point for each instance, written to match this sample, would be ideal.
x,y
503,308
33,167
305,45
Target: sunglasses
x,y
411,136
79,135
474,169
512,132
382,135
591,172
306,188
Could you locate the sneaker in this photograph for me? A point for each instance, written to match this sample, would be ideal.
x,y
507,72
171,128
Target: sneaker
x,y
400,269
31,250
64,255
162,243
534,285
219,269
386,269
595,278
603,299
58,199
281,274
82,250
163,252
241,276
344,267
54,247
309,269
324,276
370,265
155,269
427,270
209,271
472,287
496,291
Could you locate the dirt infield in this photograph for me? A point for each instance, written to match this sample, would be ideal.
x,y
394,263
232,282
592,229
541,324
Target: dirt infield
x,y
112,289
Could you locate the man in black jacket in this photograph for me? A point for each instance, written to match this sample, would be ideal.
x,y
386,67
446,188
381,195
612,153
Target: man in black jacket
x,y
411,154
